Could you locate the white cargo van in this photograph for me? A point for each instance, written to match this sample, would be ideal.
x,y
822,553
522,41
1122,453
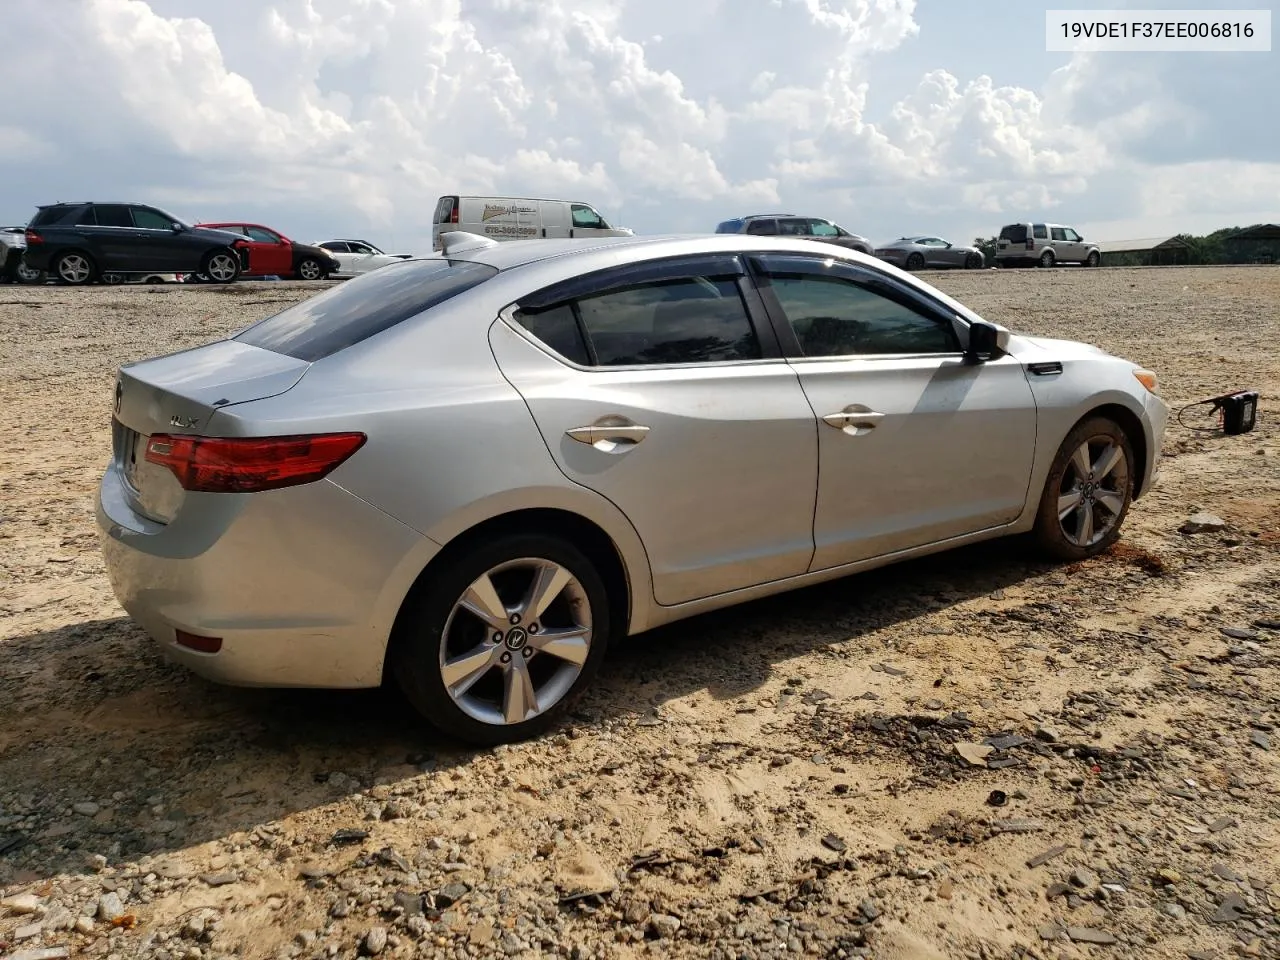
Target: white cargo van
x,y
519,218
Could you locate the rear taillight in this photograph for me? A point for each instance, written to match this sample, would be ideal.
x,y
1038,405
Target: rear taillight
x,y
33,237
1031,243
453,214
250,464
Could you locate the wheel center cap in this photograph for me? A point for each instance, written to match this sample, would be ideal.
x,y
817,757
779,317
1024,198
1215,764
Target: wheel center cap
x,y
517,639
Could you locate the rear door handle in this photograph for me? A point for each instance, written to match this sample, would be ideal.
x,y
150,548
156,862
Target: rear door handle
x,y
853,418
610,434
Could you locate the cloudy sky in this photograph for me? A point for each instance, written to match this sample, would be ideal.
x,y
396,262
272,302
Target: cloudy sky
x,y
331,118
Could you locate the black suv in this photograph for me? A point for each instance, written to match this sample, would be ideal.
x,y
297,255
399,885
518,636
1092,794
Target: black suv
x,y
791,225
78,242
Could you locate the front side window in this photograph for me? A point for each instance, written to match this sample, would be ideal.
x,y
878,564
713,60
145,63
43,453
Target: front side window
x,y
1057,233
1070,234
361,248
113,215
933,242
358,309
147,219
820,228
586,218
261,235
834,315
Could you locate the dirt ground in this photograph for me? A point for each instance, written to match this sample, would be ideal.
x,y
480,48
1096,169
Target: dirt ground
x,y
782,778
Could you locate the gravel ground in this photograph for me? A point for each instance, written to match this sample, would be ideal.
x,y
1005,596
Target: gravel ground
x,y
970,756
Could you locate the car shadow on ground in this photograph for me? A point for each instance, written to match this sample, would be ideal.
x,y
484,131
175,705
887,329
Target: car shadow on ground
x,y
105,748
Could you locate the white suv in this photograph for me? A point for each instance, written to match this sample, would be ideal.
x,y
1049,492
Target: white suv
x,y
1026,244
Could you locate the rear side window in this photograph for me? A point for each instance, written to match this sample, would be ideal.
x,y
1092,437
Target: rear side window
x,y
763,228
684,320
113,215
1014,233
50,215
358,309
1040,231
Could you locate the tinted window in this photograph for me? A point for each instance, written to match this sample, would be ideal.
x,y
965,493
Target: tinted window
x,y
259,235
793,227
763,228
820,228
150,220
559,329
1039,232
361,248
55,215
113,215
695,320
1058,233
585,217
1014,233
834,316
360,308
335,246
729,226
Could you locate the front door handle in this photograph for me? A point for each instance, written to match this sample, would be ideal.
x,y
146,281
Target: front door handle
x,y
854,421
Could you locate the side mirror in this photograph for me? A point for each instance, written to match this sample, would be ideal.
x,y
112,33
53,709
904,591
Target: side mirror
x,y
948,246
178,228
984,343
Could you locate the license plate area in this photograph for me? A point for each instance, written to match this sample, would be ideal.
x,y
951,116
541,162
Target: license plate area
x,y
130,450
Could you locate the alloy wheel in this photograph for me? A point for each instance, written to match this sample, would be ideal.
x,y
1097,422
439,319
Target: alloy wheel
x,y
74,268
27,274
222,267
515,641
1093,492
309,270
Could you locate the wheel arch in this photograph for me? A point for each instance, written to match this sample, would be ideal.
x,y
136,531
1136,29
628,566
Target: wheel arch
x,y
583,533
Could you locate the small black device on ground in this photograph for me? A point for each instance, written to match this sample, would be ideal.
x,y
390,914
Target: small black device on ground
x,y
1239,410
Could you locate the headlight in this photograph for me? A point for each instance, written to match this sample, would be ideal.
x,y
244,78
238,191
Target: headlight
x,y
1148,379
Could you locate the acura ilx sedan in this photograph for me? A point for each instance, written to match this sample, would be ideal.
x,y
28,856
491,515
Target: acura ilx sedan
x,y
467,473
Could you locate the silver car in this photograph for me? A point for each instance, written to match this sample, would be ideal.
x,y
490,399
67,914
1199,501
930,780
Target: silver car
x,y
470,472
920,253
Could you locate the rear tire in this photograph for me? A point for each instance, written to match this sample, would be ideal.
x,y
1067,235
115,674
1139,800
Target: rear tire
x,y
443,630
973,261
1087,493
915,261
221,266
74,268
1046,259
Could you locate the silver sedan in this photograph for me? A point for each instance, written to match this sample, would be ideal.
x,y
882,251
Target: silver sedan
x,y
920,253
469,472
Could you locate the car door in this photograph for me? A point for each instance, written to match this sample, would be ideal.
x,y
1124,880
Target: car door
x,y
158,247
825,230
658,386
270,253
120,246
555,219
1074,246
916,444
586,221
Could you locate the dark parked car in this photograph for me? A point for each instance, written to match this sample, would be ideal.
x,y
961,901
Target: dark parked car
x,y
791,225
78,242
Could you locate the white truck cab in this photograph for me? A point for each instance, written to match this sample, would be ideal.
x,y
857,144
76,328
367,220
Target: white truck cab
x,y
520,218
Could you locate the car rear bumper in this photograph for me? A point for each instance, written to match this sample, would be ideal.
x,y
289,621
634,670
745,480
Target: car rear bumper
x,y
301,585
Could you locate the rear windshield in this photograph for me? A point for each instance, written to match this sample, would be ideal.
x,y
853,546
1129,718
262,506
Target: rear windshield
x,y
53,215
729,226
1014,233
359,308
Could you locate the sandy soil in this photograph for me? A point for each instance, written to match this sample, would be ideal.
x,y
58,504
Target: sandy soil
x,y
777,779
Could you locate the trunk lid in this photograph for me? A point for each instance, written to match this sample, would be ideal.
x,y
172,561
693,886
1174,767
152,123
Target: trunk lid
x,y
179,394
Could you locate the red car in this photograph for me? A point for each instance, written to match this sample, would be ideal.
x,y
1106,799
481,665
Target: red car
x,y
271,253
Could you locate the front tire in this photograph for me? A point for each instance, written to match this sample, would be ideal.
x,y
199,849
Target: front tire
x,y
74,268
310,269
496,647
25,274
221,266
1093,259
1087,493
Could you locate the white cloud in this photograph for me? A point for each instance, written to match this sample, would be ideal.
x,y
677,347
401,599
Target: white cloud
x,y
342,115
